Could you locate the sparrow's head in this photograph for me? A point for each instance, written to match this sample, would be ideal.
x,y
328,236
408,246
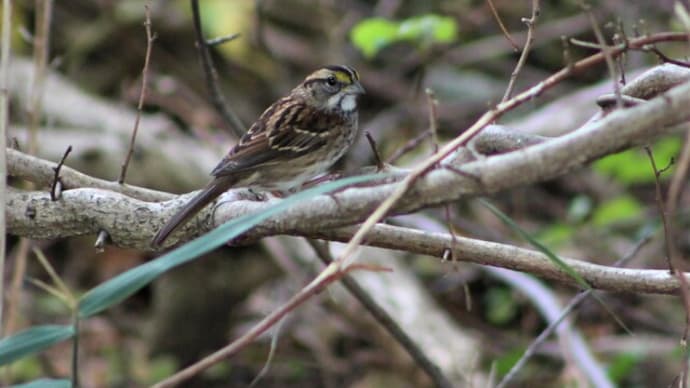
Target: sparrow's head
x,y
333,88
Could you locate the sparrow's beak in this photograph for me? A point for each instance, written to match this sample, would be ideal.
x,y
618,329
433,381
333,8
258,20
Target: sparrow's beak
x,y
355,88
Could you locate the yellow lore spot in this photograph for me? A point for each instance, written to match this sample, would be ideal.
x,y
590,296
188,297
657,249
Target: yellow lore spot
x,y
342,77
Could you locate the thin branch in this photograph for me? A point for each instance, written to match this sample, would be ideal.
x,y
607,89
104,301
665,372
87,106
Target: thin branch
x,y
101,239
671,259
567,57
606,51
621,37
668,230
584,43
665,58
150,37
680,177
501,25
372,143
385,320
433,119
4,122
525,50
211,76
56,187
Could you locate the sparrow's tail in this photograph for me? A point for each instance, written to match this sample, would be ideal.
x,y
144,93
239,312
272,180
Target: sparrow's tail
x,y
208,194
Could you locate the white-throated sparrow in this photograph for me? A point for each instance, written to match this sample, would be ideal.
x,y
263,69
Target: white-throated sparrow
x,y
296,138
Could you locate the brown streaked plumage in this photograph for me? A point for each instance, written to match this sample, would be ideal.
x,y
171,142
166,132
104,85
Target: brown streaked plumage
x,y
295,139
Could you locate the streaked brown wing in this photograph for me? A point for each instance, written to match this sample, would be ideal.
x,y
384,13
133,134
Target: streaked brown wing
x,y
293,133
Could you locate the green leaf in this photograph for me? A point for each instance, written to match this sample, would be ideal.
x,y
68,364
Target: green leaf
x,y
45,383
122,286
617,209
371,35
32,341
429,28
632,166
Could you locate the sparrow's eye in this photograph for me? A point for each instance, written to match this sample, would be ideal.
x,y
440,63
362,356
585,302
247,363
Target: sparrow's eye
x,y
331,81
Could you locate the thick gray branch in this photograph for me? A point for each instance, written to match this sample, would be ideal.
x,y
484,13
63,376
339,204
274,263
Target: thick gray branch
x,y
126,219
42,173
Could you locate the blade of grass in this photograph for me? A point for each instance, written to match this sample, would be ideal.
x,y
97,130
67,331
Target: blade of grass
x,y
554,258
32,341
536,244
122,286
45,383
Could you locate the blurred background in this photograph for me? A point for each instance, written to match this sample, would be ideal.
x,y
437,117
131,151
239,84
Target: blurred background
x,y
400,48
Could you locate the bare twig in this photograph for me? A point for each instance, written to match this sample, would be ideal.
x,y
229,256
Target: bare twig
x,y
606,50
668,230
448,253
584,43
150,37
671,259
6,40
56,187
101,239
484,49
665,58
386,321
502,26
433,118
567,57
525,50
621,38
372,143
211,76
679,179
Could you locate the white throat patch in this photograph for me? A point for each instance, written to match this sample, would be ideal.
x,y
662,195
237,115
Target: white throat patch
x,y
348,103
